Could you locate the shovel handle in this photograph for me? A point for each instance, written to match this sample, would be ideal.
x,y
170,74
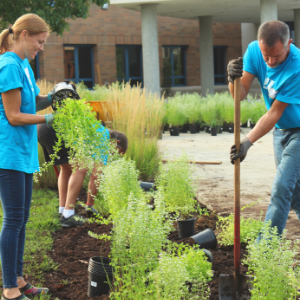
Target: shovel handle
x,y
237,120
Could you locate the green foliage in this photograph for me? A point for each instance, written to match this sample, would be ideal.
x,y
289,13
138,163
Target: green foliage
x,y
76,126
249,228
271,261
174,182
138,237
257,109
56,13
210,112
175,114
99,93
191,106
118,181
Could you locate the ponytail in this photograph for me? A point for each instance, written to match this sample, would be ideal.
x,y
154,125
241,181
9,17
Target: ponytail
x,y
30,22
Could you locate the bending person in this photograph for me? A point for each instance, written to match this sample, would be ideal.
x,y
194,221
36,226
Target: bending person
x,y
276,64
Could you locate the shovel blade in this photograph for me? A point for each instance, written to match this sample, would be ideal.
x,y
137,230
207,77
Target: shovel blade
x,y
229,291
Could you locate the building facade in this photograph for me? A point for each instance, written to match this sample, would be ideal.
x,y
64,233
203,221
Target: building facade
x,y
107,47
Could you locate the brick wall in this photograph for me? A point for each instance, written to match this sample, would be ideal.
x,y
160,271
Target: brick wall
x,y
104,29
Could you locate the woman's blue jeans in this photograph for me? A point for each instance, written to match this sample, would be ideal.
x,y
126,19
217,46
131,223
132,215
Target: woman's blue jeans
x,y
286,186
15,195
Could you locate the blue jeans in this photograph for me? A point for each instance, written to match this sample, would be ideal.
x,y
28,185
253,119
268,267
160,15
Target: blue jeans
x,y
286,186
15,195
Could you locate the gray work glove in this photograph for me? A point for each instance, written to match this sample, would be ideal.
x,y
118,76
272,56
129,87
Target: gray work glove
x,y
49,120
244,147
49,96
235,69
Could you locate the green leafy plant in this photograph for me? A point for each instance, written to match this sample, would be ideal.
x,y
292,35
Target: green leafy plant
x,y
175,114
257,109
119,180
271,261
76,126
249,228
138,237
209,112
174,182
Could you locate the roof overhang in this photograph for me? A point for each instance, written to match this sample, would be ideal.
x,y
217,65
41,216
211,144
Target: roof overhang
x,y
226,11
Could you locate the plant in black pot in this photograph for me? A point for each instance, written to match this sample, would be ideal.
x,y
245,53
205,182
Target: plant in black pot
x,y
193,111
174,182
209,112
175,115
228,112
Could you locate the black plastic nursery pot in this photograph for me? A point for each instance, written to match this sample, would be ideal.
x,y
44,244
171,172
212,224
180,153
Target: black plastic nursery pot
x,y
184,128
193,128
225,127
207,130
214,131
230,128
245,125
100,274
252,125
199,127
186,228
146,186
174,131
205,239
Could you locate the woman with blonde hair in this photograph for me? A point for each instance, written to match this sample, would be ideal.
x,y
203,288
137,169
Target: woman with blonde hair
x,y
19,101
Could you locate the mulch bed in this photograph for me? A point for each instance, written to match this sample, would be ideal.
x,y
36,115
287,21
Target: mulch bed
x,y
73,247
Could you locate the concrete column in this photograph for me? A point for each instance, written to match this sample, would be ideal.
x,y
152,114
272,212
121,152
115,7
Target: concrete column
x,y
268,10
249,34
297,27
206,55
150,48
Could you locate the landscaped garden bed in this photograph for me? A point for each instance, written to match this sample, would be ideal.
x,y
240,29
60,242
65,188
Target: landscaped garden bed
x,y
73,247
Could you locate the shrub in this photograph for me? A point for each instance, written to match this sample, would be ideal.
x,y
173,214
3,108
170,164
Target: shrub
x,y
174,182
272,260
210,113
175,114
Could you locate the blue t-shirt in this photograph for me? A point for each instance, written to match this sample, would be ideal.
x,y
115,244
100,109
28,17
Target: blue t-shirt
x,y
104,141
19,149
280,83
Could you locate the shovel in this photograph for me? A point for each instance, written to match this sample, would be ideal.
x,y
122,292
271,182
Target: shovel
x,y
236,286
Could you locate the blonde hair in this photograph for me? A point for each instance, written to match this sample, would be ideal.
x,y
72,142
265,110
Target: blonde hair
x,y
30,22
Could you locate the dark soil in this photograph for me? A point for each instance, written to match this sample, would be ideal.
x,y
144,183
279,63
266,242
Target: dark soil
x,y
73,247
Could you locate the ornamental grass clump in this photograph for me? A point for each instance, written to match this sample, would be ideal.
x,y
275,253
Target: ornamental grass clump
x,y
191,106
139,115
209,111
119,180
271,261
175,112
175,182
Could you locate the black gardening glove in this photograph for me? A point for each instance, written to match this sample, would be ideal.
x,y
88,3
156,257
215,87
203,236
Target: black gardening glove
x,y
244,147
235,69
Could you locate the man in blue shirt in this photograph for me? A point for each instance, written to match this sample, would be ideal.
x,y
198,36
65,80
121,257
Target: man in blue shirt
x,y
276,64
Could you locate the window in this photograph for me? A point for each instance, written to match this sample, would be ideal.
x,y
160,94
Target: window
x,y
129,64
78,64
35,67
174,73
219,64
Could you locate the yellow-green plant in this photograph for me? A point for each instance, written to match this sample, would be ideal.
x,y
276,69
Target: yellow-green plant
x,y
209,111
271,261
119,180
174,182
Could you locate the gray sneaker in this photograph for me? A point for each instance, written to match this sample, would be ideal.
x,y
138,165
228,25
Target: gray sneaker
x,y
73,221
91,212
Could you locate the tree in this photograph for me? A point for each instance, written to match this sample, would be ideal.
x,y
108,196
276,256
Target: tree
x,y
55,12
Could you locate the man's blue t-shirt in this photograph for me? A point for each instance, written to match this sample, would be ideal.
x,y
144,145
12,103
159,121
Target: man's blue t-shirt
x,y
280,83
19,149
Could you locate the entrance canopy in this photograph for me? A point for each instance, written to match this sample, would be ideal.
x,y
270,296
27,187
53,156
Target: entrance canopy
x,y
224,11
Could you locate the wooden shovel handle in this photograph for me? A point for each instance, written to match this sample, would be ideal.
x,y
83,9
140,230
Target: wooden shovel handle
x,y
237,120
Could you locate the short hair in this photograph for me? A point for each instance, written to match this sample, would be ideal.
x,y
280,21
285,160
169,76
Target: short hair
x,y
30,22
121,137
271,32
